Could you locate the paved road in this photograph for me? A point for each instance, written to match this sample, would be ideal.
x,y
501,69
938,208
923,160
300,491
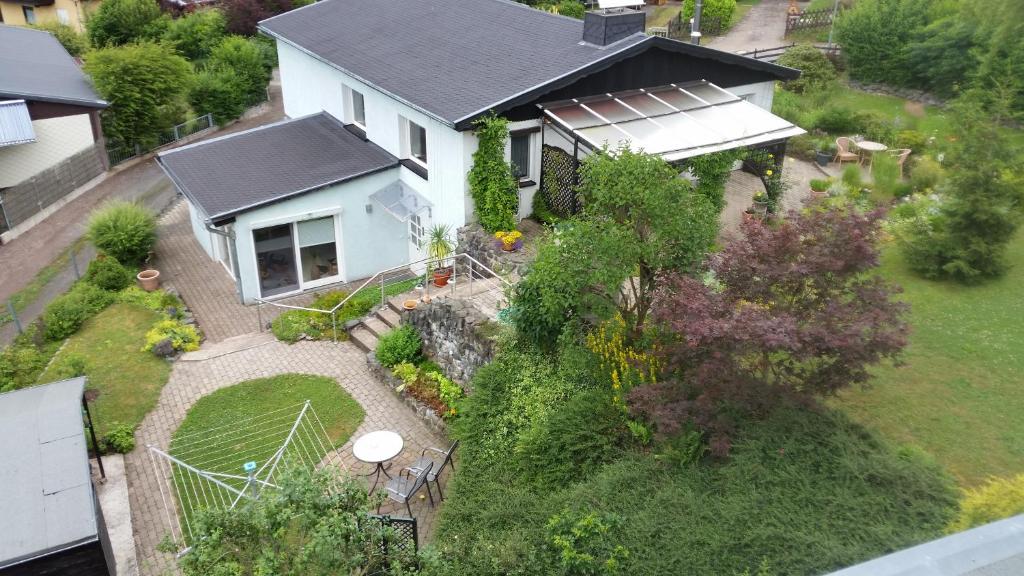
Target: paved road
x,y
144,182
763,27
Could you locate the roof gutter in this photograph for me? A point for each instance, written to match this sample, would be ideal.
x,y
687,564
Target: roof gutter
x,y
54,99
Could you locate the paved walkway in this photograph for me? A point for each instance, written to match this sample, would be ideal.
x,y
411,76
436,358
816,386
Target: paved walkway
x,y
741,187
763,27
259,356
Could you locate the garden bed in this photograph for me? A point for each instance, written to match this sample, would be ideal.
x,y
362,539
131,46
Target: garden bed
x,y
427,412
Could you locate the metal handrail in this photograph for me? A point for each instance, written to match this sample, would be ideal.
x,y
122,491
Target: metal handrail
x,y
373,279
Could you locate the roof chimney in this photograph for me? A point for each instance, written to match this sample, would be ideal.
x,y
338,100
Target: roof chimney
x,y
604,26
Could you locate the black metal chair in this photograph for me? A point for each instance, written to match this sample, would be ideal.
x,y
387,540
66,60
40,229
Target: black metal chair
x,y
405,485
435,464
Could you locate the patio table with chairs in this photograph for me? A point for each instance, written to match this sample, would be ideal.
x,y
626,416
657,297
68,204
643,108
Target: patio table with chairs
x,y
382,446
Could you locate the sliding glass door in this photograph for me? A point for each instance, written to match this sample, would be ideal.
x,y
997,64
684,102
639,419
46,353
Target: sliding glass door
x,y
295,256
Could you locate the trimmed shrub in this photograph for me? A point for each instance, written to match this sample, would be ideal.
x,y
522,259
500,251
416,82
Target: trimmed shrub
x,y
195,35
999,498
839,120
120,438
911,139
107,273
124,230
66,314
818,73
721,10
402,344
926,174
183,337
246,59
220,92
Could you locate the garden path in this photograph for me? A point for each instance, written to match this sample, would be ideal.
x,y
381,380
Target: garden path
x,y
741,187
763,27
258,356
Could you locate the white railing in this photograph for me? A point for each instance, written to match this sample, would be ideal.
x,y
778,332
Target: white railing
x,y
481,283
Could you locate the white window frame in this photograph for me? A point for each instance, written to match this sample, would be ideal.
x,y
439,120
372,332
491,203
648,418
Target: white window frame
x,y
417,231
407,132
529,155
293,221
349,111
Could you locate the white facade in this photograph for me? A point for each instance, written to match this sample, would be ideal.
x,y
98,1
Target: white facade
x,y
56,140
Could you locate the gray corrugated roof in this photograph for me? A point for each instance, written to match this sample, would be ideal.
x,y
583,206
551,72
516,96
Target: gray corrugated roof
x,y
995,549
47,498
448,58
15,123
34,66
228,175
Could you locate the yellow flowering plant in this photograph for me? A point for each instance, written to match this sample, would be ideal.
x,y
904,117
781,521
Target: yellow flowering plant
x,y
626,366
508,239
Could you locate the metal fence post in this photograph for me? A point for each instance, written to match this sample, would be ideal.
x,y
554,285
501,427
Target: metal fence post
x,y
14,316
259,317
383,298
74,263
176,133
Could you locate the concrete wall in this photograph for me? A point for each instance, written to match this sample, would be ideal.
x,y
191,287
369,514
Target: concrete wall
x,y
368,243
56,140
32,195
71,12
310,85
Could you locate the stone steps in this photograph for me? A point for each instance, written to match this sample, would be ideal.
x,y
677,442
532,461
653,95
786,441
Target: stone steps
x,y
376,326
363,338
389,317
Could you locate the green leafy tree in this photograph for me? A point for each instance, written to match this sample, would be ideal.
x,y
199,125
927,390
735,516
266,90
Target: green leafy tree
x,y
195,35
118,22
639,221
491,182
145,83
981,209
73,41
246,59
1002,59
315,523
721,10
876,34
817,72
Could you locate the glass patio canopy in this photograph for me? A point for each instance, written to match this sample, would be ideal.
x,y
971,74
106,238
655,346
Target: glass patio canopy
x,y
675,121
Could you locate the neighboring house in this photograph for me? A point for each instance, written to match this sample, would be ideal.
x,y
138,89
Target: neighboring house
x,y
382,100
51,521
26,12
50,136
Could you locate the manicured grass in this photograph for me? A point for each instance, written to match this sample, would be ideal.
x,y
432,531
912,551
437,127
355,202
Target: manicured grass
x,y
128,380
251,420
960,395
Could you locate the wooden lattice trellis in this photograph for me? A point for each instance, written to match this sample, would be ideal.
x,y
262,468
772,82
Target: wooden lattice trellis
x,y
560,180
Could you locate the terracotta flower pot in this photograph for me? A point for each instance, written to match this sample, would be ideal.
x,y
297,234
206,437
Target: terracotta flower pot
x,y
441,276
409,304
149,280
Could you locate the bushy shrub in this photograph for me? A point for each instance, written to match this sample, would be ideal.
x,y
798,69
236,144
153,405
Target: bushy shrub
x,y
123,230
246,59
157,300
107,273
70,366
447,389
571,8
402,344
926,174
124,21
839,120
183,337
195,35
586,432
911,139
119,438
220,92
722,10
23,361
999,498
293,325
818,73
74,42
66,314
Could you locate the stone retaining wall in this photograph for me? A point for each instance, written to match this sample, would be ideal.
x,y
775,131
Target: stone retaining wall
x,y
455,335
473,240
423,412
905,93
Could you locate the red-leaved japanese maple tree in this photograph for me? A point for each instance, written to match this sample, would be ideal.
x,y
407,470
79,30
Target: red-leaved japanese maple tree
x,y
790,310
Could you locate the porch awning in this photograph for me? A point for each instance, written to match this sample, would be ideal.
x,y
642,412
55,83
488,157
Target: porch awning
x,y
675,121
399,200
15,123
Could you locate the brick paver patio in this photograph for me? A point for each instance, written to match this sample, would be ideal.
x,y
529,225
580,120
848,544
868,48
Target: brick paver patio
x,y
216,366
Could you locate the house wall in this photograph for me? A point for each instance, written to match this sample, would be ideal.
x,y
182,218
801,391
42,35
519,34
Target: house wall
x,y
71,12
56,140
310,85
368,242
760,93
198,219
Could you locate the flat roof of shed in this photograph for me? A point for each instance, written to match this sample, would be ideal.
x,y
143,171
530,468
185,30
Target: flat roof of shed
x,y
47,500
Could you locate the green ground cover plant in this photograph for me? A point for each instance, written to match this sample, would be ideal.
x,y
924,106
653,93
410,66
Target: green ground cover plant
x,y
127,379
292,325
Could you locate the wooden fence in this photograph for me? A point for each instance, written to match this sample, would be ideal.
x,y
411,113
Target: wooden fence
x,y
809,20
773,54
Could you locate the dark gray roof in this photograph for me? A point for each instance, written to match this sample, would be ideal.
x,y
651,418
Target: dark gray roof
x,y
229,175
47,498
34,66
448,58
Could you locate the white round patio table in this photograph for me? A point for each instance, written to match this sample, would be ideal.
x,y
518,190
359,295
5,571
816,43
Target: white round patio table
x,y
377,448
871,148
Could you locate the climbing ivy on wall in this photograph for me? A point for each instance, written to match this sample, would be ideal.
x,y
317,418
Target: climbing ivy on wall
x,y
712,172
491,182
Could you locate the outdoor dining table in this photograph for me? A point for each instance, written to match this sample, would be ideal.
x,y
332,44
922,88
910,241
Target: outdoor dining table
x,y
871,148
377,448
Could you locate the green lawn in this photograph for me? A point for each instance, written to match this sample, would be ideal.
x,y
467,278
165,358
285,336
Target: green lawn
x,y
960,395
662,15
128,380
250,421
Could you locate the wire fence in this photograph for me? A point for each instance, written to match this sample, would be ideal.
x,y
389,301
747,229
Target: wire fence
x,y
119,153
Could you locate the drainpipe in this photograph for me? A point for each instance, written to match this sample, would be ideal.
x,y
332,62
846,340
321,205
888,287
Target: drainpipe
x,y
234,257
698,7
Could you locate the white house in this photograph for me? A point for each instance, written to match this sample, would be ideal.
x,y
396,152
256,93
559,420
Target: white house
x,y
50,137
382,99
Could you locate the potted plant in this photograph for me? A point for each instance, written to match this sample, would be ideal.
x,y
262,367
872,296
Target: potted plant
x,y
819,188
509,241
761,203
825,154
149,279
439,249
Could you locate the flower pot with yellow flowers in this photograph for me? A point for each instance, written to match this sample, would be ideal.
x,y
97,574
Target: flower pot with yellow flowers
x,y
510,241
